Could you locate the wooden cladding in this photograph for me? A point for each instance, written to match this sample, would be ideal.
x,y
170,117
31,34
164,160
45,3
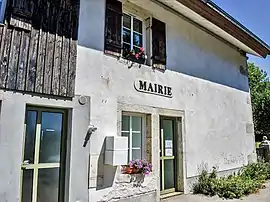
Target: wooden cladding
x,y
38,47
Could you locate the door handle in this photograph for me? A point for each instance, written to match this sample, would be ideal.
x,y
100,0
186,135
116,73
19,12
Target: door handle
x,y
24,164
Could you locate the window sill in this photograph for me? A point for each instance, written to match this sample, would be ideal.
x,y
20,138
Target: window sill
x,y
135,62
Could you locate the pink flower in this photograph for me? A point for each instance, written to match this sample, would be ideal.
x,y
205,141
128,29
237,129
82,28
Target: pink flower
x,y
141,49
137,55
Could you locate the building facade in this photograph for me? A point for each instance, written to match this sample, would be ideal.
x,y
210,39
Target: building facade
x,y
87,86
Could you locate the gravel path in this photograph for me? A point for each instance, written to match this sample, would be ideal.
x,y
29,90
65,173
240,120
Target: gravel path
x,y
262,196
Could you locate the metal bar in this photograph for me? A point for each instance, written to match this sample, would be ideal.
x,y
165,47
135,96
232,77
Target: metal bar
x,y
130,138
162,160
36,160
41,165
21,177
168,157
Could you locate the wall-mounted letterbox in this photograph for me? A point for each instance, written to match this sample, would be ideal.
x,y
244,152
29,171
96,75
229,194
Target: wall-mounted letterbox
x,y
116,150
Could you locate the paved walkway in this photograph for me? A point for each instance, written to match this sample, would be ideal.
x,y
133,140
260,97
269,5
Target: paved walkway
x,y
262,196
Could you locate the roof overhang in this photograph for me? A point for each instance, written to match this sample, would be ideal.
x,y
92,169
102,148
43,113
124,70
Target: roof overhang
x,y
211,17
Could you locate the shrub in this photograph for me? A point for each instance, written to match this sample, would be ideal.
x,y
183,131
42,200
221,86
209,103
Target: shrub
x,y
247,181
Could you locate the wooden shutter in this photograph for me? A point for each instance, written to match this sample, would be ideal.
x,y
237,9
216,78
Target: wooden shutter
x,y
113,27
158,43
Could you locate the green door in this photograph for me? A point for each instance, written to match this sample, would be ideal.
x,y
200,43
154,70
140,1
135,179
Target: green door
x,y
43,154
167,155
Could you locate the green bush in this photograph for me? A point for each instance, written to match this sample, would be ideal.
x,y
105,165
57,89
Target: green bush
x,y
247,181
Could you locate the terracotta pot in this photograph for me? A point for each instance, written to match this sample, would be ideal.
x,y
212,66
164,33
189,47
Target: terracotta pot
x,y
129,170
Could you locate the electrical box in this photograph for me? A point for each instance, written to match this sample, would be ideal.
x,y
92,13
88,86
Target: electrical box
x,y
116,150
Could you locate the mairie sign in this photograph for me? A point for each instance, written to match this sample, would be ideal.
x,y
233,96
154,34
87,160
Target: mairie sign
x,y
153,88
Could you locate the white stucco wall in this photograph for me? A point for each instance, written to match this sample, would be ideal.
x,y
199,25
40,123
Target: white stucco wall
x,y
206,83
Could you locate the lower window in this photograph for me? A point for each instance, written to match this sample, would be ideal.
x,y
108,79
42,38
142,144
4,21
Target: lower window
x,y
133,127
43,166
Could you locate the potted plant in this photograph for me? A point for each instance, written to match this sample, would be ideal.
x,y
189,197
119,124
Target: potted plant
x,y
135,56
138,167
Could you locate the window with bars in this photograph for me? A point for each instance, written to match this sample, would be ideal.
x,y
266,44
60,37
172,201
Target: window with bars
x,y
133,127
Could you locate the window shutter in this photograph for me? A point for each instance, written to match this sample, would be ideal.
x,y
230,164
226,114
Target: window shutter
x,y
113,27
158,43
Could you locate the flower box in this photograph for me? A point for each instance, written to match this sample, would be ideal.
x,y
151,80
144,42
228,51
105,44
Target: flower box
x,y
138,167
138,57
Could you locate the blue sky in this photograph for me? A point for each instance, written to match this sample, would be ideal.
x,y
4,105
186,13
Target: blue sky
x,y
255,15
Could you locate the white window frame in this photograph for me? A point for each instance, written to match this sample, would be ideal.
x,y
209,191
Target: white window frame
x,y
132,17
143,134
2,11
132,14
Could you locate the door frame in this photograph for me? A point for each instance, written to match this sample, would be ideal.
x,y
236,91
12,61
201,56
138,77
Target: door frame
x,y
178,149
35,166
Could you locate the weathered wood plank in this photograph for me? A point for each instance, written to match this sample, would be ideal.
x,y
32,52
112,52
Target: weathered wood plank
x,y
20,22
57,50
2,37
65,50
64,67
72,68
22,67
73,48
49,61
48,64
5,58
2,56
13,59
41,62
41,24
32,61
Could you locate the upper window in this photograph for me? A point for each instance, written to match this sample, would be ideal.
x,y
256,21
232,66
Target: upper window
x,y
133,127
124,34
132,35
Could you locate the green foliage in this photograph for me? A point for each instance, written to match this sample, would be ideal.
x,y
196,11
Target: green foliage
x,y
260,97
247,181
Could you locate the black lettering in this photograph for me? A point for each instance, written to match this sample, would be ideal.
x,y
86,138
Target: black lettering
x,y
142,85
155,88
169,91
160,90
150,88
165,90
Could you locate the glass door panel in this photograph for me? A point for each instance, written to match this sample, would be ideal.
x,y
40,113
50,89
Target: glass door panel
x,y
48,185
50,140
30,137
44,144
167,155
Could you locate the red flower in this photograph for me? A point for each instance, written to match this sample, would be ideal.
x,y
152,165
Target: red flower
x,y
137,55
141,49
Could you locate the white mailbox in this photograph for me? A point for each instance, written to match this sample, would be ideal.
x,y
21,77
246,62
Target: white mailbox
x,y
116,150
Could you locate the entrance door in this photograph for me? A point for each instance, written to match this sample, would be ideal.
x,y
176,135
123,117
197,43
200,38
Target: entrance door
x,y
43,154
167,155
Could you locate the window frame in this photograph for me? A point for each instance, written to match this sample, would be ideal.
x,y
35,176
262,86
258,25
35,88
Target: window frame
x,y
143,134
128,11
2,11
132,17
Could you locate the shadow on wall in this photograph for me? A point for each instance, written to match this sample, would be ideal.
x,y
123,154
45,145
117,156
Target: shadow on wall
x,y
106,173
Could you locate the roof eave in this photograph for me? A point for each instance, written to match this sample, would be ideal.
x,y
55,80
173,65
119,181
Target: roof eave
x,y
214,14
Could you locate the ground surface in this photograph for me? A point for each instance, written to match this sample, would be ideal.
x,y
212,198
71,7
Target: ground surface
x,y
262,196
